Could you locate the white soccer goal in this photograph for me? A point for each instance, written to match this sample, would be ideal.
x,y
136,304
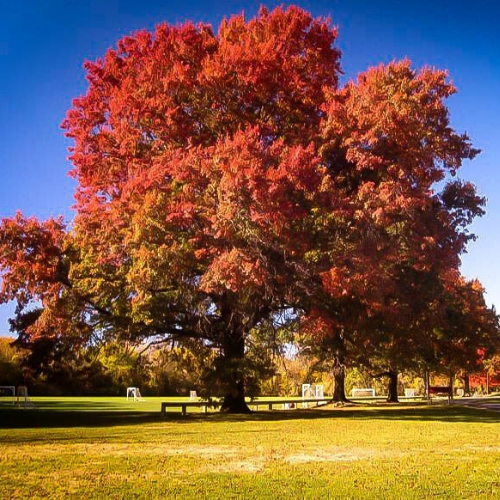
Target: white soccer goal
x,y
312,391
319,391
134,394
7,394
366,392
23,400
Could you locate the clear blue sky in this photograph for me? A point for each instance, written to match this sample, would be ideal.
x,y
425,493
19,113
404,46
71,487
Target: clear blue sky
x,y
43,44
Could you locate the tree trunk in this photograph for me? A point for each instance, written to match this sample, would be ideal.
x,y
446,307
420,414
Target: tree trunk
x,y
234,353
339,382
392,396
466,381
234,399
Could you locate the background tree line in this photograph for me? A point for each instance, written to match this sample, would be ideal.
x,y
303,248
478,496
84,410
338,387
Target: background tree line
x,y
54,366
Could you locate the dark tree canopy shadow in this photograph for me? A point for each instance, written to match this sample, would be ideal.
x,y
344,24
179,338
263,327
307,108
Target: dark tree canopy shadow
x,y
90,416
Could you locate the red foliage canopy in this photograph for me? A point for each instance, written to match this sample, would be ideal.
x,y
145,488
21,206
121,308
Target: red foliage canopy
x,y
225,177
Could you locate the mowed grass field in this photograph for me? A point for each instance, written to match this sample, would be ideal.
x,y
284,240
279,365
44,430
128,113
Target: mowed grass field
x,y
108,448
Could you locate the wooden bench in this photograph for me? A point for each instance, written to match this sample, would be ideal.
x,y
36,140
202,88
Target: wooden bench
x,y
287,404
204,405
184,405
439,390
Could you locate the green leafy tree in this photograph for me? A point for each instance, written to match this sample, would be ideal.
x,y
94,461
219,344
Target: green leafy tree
x,y
11,359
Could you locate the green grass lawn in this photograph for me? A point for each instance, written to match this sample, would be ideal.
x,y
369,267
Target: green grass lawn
x,y
105,447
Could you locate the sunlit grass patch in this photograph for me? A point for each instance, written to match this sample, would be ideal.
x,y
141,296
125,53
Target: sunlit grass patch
x,y
409,451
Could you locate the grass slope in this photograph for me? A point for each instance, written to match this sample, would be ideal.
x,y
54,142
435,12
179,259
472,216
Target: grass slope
x,y
106,448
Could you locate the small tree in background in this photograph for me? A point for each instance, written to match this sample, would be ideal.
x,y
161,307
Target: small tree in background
x,y
11,360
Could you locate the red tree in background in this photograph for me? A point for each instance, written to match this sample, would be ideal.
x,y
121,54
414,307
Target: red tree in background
x,y
224,179
388,143
468,333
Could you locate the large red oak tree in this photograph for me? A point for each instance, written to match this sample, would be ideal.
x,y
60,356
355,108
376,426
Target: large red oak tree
x,y
225,178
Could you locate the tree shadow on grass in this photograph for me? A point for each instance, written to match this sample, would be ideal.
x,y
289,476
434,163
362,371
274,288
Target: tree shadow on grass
x,y
64,418
79,405
422,413
446,413
37,419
